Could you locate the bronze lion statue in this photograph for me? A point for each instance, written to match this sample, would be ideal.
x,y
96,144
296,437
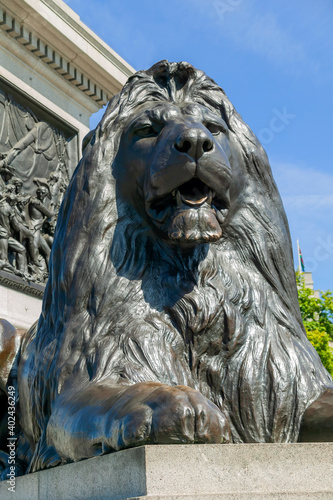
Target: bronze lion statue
x,y
171,312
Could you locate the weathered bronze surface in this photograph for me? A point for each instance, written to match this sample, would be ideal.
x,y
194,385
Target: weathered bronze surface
x,y
171,313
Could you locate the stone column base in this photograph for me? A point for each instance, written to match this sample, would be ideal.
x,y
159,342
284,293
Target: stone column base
x,y
180,472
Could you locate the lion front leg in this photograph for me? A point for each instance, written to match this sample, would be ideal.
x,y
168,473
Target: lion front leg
x,y
107,418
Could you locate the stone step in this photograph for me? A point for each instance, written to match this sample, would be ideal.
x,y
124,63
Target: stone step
x,y
243,496
229,472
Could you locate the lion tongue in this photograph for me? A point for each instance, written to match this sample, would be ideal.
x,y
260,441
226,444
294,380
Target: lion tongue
x,y
194,203
195,200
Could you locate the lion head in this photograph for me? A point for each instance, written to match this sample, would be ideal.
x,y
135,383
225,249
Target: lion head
x,y
172,262
177,171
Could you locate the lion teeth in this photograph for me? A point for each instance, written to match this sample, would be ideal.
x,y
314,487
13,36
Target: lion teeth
x,y
179,199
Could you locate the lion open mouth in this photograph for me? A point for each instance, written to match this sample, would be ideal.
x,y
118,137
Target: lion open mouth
x,y
191,213
193,193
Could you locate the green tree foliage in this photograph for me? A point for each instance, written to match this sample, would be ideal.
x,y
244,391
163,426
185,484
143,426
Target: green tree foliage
x,y
317,315
319,340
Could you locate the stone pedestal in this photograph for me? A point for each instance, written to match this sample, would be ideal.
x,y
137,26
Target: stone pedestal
x,y
55,72
49,55
20,301
207,472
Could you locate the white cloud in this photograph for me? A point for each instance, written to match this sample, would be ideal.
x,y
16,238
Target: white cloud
x,y
312,201
303,183
262,35
291,36
307,195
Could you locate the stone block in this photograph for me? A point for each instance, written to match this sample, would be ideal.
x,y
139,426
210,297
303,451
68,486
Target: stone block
x,y
201,472
23,36
6,20
20,308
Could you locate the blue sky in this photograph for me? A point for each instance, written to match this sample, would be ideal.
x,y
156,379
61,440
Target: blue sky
x,y
274,61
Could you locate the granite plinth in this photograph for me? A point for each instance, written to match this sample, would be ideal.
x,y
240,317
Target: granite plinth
x,y
255,471
20,301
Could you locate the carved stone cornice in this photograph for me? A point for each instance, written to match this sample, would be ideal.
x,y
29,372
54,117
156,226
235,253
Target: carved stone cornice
x,y
15,283
54,34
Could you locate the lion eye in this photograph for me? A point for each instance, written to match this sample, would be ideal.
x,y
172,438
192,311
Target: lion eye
x,y
213,128
146,131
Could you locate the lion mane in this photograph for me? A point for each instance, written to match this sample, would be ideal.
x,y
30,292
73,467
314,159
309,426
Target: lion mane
x,y
122,305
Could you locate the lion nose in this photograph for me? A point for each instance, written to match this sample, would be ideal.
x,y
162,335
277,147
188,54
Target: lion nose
x,y
194,142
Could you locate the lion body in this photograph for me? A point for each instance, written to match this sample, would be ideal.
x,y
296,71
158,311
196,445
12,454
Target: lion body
x,y
123,305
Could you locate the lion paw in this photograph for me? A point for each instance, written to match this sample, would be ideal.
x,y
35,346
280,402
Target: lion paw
x,y
161,414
